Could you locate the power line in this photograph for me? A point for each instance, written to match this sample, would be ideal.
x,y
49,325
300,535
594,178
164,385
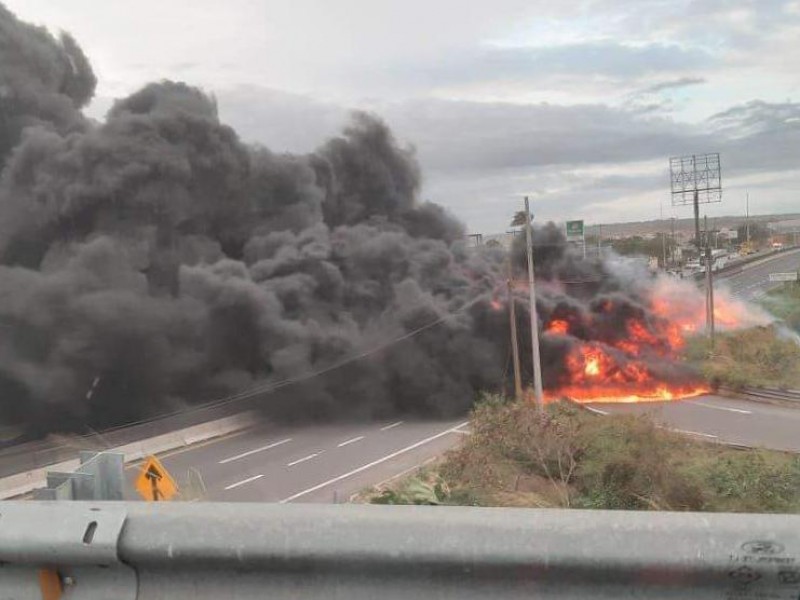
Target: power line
x,y
292,380
271,386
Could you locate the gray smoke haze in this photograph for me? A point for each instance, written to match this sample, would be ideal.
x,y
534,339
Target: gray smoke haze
x,y
160,261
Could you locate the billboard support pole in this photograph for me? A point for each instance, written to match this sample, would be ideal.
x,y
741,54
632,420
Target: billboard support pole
x,y
691,175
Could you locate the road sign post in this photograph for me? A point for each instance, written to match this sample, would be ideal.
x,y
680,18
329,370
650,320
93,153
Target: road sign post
x,y
154,482
783,276
575,233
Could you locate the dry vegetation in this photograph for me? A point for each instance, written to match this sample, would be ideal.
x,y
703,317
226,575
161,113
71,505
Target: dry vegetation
x,y
570,458
760,356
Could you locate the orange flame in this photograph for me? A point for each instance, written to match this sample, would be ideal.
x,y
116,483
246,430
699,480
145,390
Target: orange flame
x,y
624,366
558,327
597,372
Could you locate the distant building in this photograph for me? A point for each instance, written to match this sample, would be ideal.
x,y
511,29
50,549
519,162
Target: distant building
x,y
503,239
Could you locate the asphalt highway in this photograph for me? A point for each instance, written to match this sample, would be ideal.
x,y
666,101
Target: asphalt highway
x,y
717,418
330,463
323,463
752,282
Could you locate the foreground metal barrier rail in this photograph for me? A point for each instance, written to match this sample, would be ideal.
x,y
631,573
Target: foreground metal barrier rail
x,y
197,551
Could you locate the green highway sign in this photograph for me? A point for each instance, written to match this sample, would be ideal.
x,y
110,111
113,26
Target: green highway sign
x,y
574,230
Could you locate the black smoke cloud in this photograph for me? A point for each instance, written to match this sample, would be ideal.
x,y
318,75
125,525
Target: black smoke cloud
x,y
158,261
43,81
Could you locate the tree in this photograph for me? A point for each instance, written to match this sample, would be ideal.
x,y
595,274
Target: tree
x,y
759,233
638,246
519,218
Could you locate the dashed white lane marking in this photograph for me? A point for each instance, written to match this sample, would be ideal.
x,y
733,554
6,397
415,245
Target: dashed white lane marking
x,y
251,452
595,410
242,482
373,463
392,426
708,435
727,408
304,459
352,441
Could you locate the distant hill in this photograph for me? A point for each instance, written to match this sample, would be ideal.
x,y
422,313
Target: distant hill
x,y
681,225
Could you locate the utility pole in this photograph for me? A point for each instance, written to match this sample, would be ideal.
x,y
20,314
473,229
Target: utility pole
x,y
537,365
709,288
664,250
599,240
697,222
514,342
672,240
747,218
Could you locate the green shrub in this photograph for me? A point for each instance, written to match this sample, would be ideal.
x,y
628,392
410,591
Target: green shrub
x,y
784,303
759,356
755,481
567,457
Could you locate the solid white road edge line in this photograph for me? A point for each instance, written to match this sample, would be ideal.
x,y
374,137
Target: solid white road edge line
x,y
250,452
304,459
352,441
735,410
372,464
595,410
708,435
243,481
392,426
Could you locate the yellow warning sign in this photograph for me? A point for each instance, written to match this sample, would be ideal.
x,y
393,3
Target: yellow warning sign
x,y
154,483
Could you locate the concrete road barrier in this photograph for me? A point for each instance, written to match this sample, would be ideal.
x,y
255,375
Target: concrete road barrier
x,y
25,482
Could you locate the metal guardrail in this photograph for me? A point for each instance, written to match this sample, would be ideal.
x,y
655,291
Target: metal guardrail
x,y
774,395
737,266
98,477
198,551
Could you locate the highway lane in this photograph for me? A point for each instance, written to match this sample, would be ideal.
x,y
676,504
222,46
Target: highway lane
x,y
320,463
714,417
330,463
752,282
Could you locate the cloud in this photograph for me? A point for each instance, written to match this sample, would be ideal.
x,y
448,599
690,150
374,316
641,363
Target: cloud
x,y
673,84
479,159
473,65
626,83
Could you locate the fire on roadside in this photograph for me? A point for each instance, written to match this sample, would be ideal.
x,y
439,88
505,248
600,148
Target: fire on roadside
x,y
633,363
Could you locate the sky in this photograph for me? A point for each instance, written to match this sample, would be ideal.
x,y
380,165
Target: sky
x,y
576,104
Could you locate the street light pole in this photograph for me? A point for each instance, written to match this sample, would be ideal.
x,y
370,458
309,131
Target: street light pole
x,y
537,365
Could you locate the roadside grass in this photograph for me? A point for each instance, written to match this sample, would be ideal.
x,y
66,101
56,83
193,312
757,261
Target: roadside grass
x,y
784,303
759,356
568,458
